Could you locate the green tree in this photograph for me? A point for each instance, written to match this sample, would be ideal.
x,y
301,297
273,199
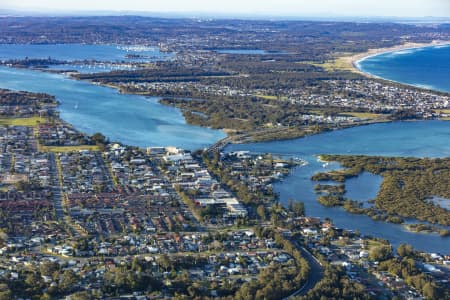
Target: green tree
x,y
99,138
32,280
261,211
297,207
429,291
45,296
84,295
5,294
164,262
69,280
380,253
405,250
49,268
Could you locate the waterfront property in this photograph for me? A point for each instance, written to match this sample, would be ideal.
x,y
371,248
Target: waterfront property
x,y
390,139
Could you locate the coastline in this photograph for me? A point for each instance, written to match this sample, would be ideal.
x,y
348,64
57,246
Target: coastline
x,y
351,62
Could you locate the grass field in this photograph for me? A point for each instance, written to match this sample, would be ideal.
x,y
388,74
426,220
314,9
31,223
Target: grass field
x,y
60,149
337,64
316,112
373,244
33,121
362,115
443,111
270,97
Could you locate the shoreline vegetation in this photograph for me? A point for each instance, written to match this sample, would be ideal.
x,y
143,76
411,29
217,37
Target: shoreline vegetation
x,y
408,184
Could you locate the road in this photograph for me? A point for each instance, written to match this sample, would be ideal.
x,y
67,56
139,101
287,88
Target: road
x,y
242,138
248,137
315,274
56,190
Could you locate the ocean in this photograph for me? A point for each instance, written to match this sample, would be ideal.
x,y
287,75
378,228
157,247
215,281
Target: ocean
x,y
427,67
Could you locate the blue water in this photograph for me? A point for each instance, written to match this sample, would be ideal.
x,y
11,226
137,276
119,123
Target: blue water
x,y
363,188
419,139
442,202
70,52
426,67
130,119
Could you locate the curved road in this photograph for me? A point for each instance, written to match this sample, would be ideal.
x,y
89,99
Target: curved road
x,y
315,273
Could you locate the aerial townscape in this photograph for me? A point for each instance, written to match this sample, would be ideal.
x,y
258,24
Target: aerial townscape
x,y
181,157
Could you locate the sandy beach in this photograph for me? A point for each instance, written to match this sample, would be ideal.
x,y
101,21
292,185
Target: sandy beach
x,y
351,62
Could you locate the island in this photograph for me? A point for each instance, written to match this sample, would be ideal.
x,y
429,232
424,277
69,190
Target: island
x,y
409,185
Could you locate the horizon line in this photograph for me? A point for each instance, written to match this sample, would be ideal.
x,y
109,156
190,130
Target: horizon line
x,y
197,14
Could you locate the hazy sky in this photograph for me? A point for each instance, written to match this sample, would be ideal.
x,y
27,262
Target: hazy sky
x,y
398,8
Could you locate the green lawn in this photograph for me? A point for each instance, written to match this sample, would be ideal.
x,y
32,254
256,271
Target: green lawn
x,y
362,115
337,64
443,111
59,149
33,121
270,97
373,243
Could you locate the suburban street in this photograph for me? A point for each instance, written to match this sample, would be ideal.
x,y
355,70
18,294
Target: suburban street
x,y
316,272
